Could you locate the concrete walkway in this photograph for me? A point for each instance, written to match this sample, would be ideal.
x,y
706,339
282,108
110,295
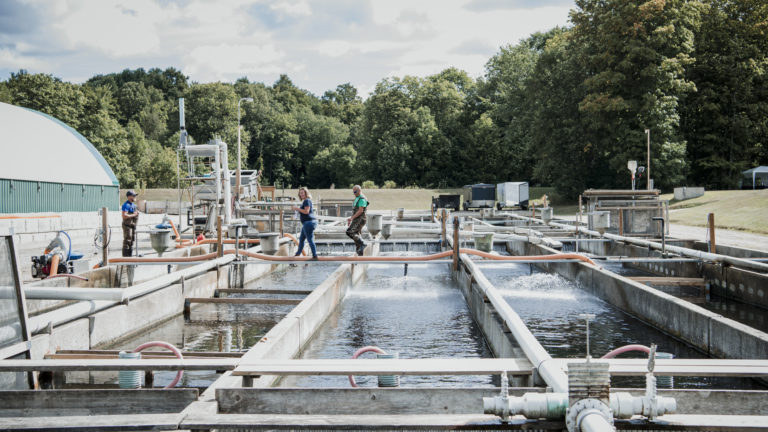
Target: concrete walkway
x,y
741,239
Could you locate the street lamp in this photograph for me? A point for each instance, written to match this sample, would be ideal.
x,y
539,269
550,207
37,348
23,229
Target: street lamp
x,y
648,162
237,177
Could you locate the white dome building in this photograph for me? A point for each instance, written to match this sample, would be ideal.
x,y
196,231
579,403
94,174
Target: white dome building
x,y
46,166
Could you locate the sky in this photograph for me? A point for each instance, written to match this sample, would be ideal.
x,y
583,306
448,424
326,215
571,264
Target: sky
x,y
319,44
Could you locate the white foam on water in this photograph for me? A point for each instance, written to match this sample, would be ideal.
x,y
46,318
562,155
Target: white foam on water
x,y
544,286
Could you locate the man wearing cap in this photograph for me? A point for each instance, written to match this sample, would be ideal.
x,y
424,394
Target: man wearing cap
x,y
130,219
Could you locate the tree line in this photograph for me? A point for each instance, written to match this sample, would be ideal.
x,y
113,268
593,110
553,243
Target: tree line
x,y
565,108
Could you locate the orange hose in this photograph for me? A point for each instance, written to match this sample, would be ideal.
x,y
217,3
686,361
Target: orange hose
x,y
175,231
54,265
182,242
290,236
419,258
361,258
228,241
528,258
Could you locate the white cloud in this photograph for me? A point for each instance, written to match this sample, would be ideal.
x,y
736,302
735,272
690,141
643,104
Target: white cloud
x,y
333,48
112,27
225,62
13,60
298,8
227,39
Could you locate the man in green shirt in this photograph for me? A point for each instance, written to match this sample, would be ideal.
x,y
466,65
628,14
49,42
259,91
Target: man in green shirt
x,y
357,221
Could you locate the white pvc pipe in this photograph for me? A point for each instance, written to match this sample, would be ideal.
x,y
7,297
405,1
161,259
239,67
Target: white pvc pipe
x,y
227,185
595,422
167,279
536,354
339,229
217,175
84,308
54,293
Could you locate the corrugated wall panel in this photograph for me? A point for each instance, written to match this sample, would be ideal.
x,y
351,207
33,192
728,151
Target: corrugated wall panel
x,y
21,196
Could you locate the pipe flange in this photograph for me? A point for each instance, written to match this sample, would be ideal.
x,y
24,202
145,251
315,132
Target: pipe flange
x,y
576,413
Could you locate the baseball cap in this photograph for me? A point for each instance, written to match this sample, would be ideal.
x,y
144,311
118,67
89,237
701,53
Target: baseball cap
x,y
130,192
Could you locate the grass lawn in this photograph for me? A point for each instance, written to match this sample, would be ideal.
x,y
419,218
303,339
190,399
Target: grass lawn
x,y
743,210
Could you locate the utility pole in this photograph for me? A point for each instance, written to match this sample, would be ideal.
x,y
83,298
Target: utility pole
x,y
648,162
237,177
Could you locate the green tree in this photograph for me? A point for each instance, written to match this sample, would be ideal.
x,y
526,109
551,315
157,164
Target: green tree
x,y
342,103
153,120
726,120
47,94
211,111
635,54
506,95
316,133
397,142
565,157
288,96
5,93
133,98
332,166
108,136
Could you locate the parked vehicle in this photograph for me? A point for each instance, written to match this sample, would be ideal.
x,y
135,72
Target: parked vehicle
x,y
452,202
479,195
512,194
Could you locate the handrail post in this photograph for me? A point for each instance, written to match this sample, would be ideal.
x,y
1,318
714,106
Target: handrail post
x,y
443,217
105,237
711,224
432,211
219,241
621,222
455,243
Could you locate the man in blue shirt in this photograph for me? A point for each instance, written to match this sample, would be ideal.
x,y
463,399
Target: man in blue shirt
x,y
130,220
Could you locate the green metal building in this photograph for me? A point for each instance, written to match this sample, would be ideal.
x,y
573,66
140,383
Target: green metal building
x,y
46,166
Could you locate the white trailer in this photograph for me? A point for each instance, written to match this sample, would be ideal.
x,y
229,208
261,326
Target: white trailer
x,y
512,194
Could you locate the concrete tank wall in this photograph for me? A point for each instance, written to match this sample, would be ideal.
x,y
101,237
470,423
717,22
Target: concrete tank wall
x,y
712,333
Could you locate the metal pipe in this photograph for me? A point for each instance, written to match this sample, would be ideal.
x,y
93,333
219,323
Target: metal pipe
x,y
84,308
227,183
395,230
377,260
67,275
594,421
536,258
691,253
53,293
217,174
343,259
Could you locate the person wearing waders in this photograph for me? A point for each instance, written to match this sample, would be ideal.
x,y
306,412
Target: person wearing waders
x,y
357,221
130,220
